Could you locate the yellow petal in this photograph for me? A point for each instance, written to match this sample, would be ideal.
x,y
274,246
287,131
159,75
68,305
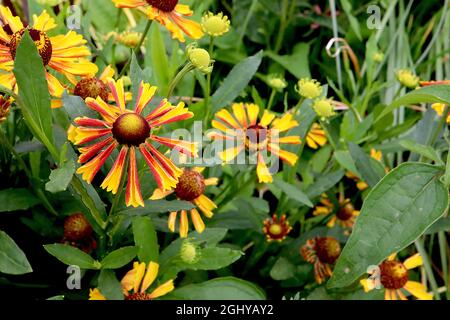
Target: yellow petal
x,y
162,290
150,275
197,221
413,261
418,290
266,118
95,294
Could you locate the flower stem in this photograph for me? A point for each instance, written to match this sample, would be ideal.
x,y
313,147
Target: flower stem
x,y
208,84
180,75
428,268
272,97
135,50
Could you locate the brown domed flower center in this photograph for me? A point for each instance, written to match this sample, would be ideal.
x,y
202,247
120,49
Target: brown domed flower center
x,y
138,296
191,185
394,274
163,5
327,249
131,129
346,212
41,40
256,137
91,88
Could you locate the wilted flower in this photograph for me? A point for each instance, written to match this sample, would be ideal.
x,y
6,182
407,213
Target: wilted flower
x,y
322,253
215,25
190,187
407,78
393,276
309,88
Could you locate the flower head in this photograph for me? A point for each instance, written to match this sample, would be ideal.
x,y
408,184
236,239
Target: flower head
x,y
276,82
66,54
215,25
76,227
276,230
200,58
137,281
189,252
407,78
322,253
131,131
309,88
324,107
190,187
258,136
394,277
168,13
5,105
378,56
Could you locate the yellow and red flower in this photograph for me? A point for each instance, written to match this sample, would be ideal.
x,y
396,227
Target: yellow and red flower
x,y
190,187
130,130
393,276
322,253
344,216
316,137
276,230
168,13
257,137
5,105
65,54
136,283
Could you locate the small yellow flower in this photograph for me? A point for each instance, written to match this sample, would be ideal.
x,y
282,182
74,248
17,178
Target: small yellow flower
x,y
215,24
378,56
407,78
276,82
200,58
309,88
439,108
323,107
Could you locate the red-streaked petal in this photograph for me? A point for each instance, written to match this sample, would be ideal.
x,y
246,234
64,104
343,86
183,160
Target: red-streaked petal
x,y
85,135
182,146
108,112
227,118
90,169
168,165
178,113
115,175
88,152
88,122
163,107
145,95
133,196
118,92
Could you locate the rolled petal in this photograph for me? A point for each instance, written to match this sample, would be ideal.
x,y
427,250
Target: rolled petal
x,y
133,196
184,224
118,92
85,135
211,181
150,276
197,221
108,112
206,205
145,95
162,290
88,152
54,86
90,169
89,122
115,175
178,113
185,147
171,221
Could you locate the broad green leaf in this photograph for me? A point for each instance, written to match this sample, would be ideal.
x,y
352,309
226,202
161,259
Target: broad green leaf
x,y
236,81
226,288
421,149
296,63
145,239
213,258
396,212
12,259
61,177
118,258
324,183
72,256
30,75
345,160
109,286
439,93
16,199
293,192
282,269
371,171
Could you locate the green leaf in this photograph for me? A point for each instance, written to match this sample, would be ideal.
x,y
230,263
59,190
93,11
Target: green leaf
x,y
439,93
61,177
446,177
109,286
158,57
118,258
72,256
30,75
214,258
324,183
443,224
292,192
226,288
282,269
354,24
395,213
12,259
296,63
145,239
371,171
16,199
345,160
236,81
421,149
